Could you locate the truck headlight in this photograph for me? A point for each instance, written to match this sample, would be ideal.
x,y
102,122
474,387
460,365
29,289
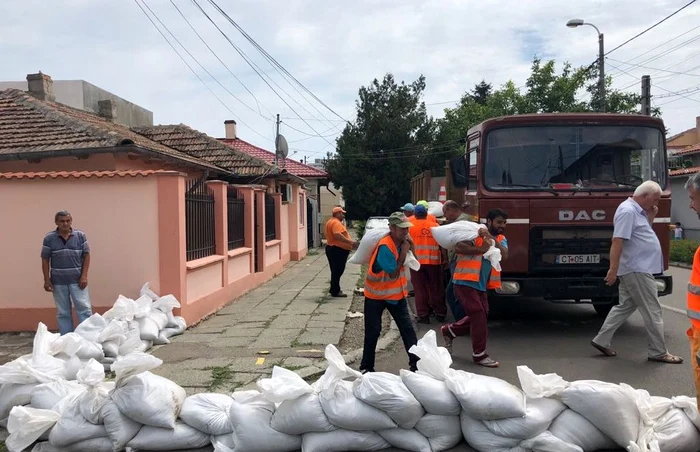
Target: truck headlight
x,y
508,288
660,285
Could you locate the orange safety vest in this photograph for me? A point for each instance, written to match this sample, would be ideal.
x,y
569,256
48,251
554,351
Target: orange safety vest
x,y
381,286
468,267
427,249
693,308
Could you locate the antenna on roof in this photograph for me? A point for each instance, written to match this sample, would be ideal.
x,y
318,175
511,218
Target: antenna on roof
x,y
281,147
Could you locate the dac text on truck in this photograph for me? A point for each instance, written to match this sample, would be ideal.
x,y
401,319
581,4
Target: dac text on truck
x,y
561,177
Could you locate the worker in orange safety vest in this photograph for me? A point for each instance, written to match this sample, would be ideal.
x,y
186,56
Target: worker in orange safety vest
x,y
693,308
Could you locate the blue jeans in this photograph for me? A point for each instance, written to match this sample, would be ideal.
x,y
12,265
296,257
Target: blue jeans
x,y
62,295
452,302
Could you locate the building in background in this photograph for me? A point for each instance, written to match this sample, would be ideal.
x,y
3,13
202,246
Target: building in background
x,y
330,196
684,161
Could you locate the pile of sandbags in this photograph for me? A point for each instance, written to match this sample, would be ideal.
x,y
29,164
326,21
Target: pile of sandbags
x,y
449,235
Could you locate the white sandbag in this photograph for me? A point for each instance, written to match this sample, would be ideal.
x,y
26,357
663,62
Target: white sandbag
x,y
435,209
90,445
148,328
301,415
545,385
481,438
160,318
96,394
223,443
409,440
411,262
610,407
123,309
387,392
539,415
72,427
182,437
336,370
546,442
673,431
250,416
120,428
284,384
166,304
91,327
346,411
208,413
111,348
689,405
144,397
114,331
145,345
449,235
434,361
143,306
178,327
12,395
146,290
575,429
443,432
39,366
367,245
342,440
73,366
161,339
483,397
45,396
26,425
431,393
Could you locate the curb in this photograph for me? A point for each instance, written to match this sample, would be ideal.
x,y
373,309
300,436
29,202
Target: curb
x,y
680,265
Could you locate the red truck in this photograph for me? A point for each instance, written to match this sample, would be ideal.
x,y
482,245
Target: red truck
x,y
560,177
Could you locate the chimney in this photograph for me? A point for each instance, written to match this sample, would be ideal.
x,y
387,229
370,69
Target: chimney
x,y
107,109
697,128
230,126
41,86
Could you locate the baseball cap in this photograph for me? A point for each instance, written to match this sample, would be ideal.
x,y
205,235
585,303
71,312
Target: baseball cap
x,y
400,220
408,206
421,210
338,210
423,202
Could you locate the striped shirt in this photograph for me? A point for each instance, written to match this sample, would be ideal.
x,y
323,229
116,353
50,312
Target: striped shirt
x,y
65,256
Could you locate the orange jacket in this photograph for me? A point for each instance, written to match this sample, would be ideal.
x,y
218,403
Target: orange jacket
x,y
381,286
693,308
468,267
427,249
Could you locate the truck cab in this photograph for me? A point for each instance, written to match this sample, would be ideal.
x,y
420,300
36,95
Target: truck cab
x,y
560,178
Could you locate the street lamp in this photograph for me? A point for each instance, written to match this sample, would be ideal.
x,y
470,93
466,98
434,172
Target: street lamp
x,y
573,23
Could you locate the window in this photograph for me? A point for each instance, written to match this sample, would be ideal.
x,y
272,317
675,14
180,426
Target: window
x,y
199,220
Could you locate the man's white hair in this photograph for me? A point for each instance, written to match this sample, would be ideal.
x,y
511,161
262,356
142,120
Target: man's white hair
x,y
648,187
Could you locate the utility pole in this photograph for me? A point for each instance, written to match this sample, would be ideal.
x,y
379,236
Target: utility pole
x,y
646,95
277,141
601,70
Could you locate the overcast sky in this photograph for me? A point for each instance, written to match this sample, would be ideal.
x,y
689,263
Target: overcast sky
x,y
335,47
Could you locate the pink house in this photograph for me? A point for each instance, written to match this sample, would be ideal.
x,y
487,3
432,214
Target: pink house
x,y
164,204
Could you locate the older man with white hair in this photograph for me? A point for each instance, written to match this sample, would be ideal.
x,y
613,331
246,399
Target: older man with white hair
x,y
635,257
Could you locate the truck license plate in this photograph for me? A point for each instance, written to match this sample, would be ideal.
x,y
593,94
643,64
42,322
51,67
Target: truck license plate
x,y
578,259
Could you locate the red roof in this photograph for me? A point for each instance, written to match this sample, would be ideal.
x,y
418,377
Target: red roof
x,y
82,174
292,166
687,151
684,171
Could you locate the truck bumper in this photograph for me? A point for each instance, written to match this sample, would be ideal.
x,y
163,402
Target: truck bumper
x,y
569,288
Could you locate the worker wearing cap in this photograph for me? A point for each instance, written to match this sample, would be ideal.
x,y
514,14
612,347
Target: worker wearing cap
x,y
408,210
338,246
386,288
427,283
424,203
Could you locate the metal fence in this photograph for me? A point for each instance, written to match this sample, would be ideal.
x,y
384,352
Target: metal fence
x,y
199,220
236,224
270,218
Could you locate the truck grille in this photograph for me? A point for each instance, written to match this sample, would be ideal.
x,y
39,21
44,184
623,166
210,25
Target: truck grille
x,y
549,246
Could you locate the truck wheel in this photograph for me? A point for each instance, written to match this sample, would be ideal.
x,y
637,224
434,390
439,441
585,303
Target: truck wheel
x,y
603,306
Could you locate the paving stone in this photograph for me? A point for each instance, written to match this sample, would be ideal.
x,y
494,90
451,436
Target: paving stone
x,y
310,352
296,362
250,364
247,325
238,307
290,321
315,323
190,337
223,342
277,338
329,317
260,315
201,363
300,307
235,331
193,378
192,391
320,336
205,328
217,321
309,371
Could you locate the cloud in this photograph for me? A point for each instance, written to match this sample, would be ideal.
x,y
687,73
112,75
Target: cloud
x,y
334,48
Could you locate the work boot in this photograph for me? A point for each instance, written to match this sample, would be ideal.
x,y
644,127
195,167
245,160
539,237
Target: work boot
x,y
424,320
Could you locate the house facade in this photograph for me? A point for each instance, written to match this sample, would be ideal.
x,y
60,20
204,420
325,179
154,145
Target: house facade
x,y
684,161
165,204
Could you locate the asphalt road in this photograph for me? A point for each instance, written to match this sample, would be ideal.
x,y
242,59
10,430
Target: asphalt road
x,y
550,337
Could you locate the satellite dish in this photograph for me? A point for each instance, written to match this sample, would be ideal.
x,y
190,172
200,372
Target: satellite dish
x,y
282,146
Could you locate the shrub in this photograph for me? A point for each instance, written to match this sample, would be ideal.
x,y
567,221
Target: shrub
x,y
683,251
360,228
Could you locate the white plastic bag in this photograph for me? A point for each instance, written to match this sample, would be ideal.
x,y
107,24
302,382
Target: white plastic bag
x,y
73,344
545,385
346,411
672,431
301,415
148,328
443,432
546,442
387,392
435,209
481,438
123,309
39,367
539,414
12,395
182,437
159,318
144,397
610,407
283,385
409,440
96,394
336,370
367,245
120,428
208,413
342,440
91,327
223,443
411,262
431,393
90,445
146,290
434,361
26,425
45,396
111,348
72,427
449,235
483,397
575,429
250,416
143,306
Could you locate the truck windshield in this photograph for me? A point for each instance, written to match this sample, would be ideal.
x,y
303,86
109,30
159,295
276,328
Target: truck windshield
x,y
573,158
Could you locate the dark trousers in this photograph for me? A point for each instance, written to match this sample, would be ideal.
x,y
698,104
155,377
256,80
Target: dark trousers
x,y
337,258
373,328
428,288
451,298
476,304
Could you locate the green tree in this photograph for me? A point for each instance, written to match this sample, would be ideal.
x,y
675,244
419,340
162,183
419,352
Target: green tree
x,y
377,155
481,92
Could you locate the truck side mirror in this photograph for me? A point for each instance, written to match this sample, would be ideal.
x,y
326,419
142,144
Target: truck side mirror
x,y
458,170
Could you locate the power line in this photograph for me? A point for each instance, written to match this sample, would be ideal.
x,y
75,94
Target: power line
x,y
195,72
664,43
651,68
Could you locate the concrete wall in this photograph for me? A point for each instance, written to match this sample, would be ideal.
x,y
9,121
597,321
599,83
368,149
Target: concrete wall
x,y
328,201
680,210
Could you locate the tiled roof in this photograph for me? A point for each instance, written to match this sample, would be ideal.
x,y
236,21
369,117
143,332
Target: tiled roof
x,y
30,127
83,174
684,171
292,166
202,146
671,138
687,150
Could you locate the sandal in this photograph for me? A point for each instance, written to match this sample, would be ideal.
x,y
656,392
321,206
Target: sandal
x,y
667,359
447,337
488,362
605,351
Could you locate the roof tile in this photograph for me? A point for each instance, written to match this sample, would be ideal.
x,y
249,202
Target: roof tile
x,y
83,174
292,166
684,171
